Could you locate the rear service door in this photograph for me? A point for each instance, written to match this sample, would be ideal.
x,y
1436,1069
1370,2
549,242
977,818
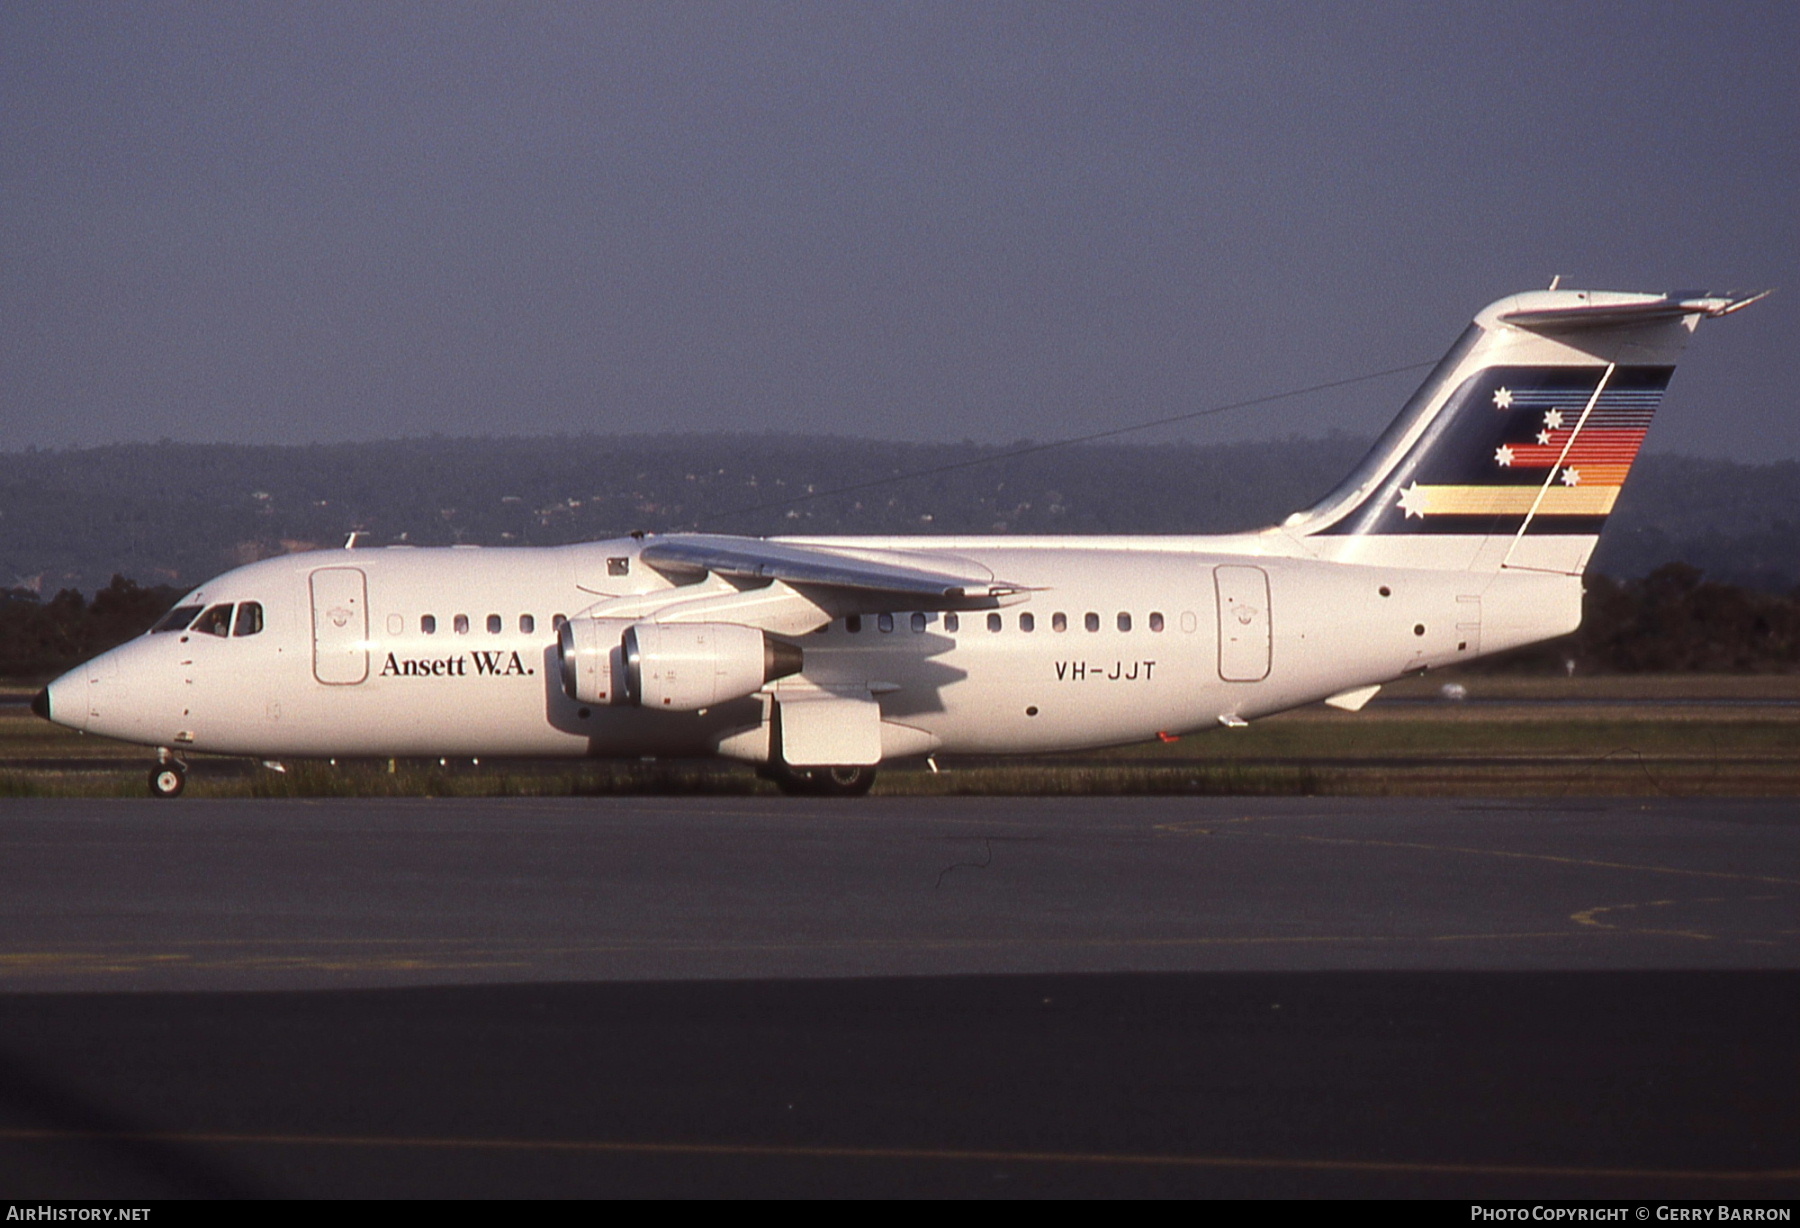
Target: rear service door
x,y
1468,626
1243,623
340,615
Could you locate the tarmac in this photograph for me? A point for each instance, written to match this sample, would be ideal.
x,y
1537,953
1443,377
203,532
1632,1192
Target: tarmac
x,y
888,997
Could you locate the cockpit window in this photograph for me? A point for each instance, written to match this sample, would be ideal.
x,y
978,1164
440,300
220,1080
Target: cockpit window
x,y
216,621
249,618
177,619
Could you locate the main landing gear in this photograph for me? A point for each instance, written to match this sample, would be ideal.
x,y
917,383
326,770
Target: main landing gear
x,y
850,780
169,777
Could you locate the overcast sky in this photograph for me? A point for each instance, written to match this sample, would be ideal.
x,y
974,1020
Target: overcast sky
x,y
298,222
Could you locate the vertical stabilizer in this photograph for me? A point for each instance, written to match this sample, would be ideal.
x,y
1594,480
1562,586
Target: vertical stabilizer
x,y
1514,450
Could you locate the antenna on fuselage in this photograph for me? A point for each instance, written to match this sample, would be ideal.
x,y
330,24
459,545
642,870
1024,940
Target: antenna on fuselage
x,y
350,542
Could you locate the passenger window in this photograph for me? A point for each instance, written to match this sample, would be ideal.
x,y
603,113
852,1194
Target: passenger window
x,y
177,619
1059,621
993,621
619,566
461,623
428,624
1124,621
952,623
395,623
1156,621
918,622
557,621
853,624
249,618
495,623
216,621
1188,622
527,624
885,622
1027,622
1092,621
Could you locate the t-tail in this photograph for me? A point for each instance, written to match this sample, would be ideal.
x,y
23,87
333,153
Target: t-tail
x,y
1512,453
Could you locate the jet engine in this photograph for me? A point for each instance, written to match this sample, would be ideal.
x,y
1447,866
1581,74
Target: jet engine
x,y
685,666
593,659
676,666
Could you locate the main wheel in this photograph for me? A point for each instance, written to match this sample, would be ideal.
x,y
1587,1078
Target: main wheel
x,y
850,780
167,780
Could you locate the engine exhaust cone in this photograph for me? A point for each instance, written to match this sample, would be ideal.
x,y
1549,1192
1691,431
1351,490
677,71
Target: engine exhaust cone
x,y
780,659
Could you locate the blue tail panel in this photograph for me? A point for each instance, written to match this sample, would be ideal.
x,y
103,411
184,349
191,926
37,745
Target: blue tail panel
x,y
1516,446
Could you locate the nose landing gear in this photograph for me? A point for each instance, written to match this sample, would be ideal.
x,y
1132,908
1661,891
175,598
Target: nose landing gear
x,y
169,777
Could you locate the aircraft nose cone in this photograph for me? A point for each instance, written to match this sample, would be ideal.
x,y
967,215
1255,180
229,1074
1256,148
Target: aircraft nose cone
x,y
64,701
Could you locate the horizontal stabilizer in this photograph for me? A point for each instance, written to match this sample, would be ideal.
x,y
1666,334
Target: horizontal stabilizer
x,y
1600,309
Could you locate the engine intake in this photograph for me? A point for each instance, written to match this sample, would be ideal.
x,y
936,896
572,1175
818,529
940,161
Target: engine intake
x,y
593,659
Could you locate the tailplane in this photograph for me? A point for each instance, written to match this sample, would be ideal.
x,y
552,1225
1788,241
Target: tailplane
x,y
1514,450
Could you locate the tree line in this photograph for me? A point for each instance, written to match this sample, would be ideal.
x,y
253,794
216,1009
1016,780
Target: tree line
x,y
40,639
179,514
1673,620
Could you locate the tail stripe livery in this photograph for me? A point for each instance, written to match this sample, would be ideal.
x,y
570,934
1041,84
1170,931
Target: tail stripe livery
x,y
1529,427
1571,477
1519,442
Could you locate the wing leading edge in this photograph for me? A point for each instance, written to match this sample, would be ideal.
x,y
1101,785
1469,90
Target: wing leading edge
x,y
915,582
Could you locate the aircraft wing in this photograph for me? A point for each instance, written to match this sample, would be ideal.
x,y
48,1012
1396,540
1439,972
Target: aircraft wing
x,y
922,581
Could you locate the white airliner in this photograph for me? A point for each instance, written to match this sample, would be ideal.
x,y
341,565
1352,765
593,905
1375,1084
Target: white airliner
x,y
1464,531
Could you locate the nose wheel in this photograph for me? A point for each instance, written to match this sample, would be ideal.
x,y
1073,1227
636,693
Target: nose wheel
x,y
168,779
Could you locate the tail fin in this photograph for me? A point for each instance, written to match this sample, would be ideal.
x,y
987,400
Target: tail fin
x,y
1513,451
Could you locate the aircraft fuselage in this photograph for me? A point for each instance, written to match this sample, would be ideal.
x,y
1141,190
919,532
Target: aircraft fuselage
x,y
454,652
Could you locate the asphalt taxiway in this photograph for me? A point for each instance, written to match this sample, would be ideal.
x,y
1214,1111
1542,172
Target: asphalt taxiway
x,y
948,996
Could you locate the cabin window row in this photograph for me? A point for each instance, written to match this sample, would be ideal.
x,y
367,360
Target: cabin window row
x,y
1025,621
460,624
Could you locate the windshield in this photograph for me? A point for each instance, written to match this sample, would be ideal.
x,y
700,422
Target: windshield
x,y
216,621
177,619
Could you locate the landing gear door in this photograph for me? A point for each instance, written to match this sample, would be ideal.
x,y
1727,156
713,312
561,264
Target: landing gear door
x,y
1243,623
340,617
822,728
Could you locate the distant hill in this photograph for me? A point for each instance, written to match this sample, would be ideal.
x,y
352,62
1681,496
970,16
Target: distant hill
x,y
176,514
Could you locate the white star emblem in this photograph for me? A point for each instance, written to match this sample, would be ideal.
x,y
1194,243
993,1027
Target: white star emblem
x,y
1543,436
1571,477
1503,398
1412,501
1504,455
1553,419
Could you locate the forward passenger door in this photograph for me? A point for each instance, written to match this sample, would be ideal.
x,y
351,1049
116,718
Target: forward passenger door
x,y
340,618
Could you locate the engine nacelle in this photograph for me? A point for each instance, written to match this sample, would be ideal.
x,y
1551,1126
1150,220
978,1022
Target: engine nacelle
x,y
681,667
593,659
